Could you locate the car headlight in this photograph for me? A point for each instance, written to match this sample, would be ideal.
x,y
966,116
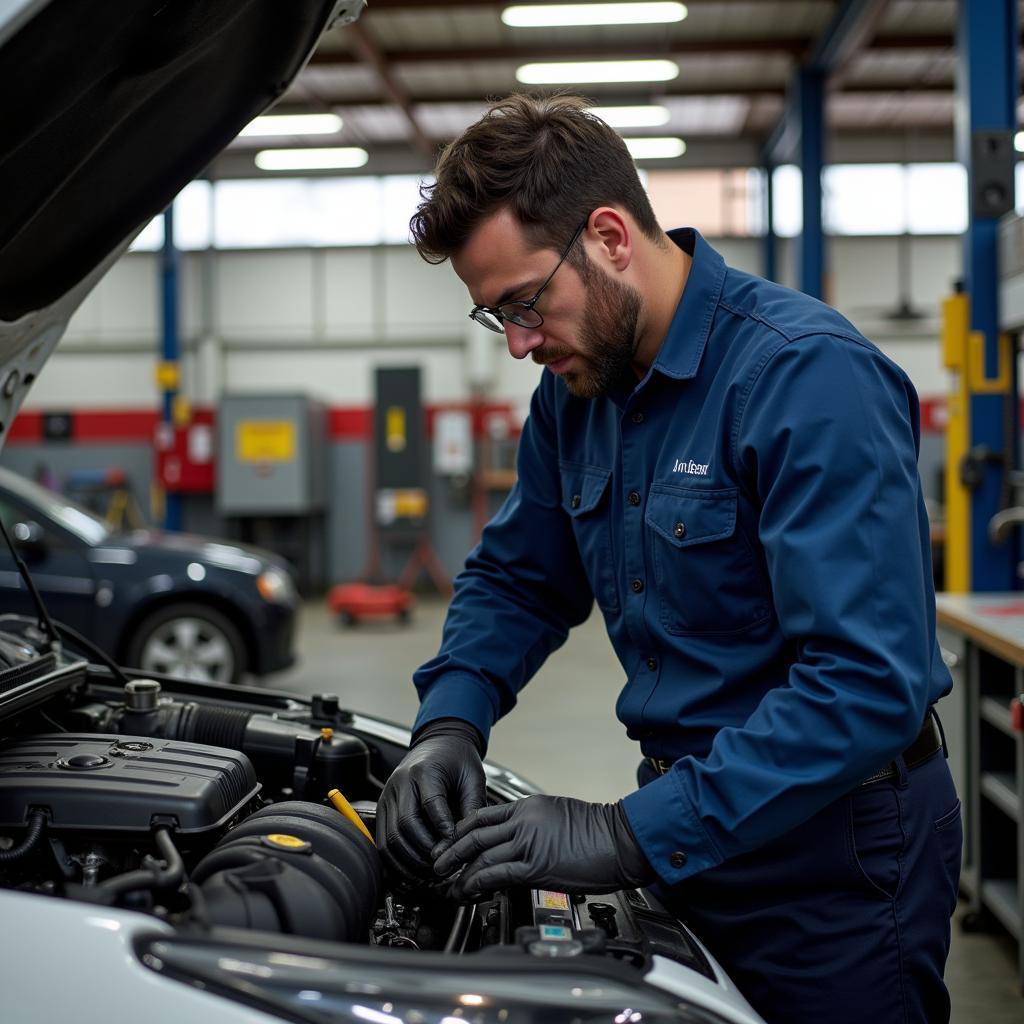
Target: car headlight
x,y
275,586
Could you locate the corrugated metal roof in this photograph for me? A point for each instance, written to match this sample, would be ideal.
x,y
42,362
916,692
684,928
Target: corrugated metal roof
x,y
919,110
735,57
482,26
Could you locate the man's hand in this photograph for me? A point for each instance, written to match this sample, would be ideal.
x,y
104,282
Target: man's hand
x,y
440,780
552,842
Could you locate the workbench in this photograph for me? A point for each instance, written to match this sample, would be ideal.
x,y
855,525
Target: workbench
x,y
982,641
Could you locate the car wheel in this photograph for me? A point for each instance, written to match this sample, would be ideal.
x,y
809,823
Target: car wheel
x,y
190,641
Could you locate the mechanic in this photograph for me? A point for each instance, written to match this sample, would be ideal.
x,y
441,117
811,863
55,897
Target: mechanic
x,y
729,468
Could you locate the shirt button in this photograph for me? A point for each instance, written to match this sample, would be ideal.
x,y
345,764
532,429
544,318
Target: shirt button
x,y
679,529
637,586
634,498
678,859
576,500
652,663
638,417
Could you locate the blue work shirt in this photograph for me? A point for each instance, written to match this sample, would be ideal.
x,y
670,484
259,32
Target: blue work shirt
x,y
750,521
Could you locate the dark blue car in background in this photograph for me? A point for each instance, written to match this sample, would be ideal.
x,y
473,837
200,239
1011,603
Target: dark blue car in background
x,y
185,605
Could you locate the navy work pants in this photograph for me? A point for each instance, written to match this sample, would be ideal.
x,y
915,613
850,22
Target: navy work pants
x,y
847,917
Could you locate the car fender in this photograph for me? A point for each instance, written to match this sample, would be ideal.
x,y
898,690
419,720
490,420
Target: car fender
x,y
140,598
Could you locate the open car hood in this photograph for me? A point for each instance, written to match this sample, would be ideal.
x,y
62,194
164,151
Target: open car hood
x,y
112,107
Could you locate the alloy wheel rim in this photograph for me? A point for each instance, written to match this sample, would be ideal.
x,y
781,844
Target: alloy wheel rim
x,y
189,648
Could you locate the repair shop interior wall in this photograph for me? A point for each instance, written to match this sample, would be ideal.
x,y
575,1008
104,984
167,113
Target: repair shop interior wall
x,y
319,321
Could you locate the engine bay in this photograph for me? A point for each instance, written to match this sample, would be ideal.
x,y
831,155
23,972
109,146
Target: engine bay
x,y
212,808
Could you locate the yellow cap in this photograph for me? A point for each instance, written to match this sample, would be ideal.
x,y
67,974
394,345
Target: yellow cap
x,y
326,733
286,842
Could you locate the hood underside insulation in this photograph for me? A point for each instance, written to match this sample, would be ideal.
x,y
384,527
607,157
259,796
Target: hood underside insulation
x,y
112,107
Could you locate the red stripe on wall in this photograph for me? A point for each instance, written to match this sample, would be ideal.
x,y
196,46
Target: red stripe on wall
x,y
135,426
344,423
124,426
480,412
27,428
349,424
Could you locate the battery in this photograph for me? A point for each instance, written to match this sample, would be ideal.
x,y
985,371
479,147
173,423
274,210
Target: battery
x,y
553,908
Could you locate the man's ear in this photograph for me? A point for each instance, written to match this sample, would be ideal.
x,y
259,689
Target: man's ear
x,y
615,239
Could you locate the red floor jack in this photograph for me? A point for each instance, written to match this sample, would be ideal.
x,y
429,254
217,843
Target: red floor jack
x,y
350,602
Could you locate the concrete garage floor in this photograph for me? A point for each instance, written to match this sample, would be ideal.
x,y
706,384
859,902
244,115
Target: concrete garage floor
x,y
563,736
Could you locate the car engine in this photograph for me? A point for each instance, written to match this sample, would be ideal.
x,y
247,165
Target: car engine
x,y
210,810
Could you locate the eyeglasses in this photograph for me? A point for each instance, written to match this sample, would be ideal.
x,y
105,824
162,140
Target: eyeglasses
x,y
523,312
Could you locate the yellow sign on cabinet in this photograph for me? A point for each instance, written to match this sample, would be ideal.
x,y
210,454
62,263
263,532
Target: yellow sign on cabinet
x,y
265,440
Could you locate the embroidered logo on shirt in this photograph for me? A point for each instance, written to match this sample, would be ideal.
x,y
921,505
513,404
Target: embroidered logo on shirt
x,y
691,468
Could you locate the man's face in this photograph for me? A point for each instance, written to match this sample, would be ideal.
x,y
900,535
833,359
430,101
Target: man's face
x,y
589,333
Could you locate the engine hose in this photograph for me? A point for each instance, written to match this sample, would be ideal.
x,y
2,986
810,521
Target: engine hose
x,y
219,727
36,826
156,877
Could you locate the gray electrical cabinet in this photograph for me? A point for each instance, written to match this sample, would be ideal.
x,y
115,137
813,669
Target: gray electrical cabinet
x,y
271,455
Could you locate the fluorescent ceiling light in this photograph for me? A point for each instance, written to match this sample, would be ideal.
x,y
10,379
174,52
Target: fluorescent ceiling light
x,y
598,71
650,116
1018,142
310,159
655,148
548,15
292,124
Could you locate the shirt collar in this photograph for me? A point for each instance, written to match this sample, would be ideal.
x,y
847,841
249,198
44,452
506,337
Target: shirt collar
x,y
681,351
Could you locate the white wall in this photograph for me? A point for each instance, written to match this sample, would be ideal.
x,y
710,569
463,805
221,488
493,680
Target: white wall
x,y
319,320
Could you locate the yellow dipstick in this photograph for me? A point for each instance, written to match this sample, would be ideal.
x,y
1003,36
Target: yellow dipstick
x,y
341,804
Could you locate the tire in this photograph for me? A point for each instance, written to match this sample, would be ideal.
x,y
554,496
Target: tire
x,y
190,641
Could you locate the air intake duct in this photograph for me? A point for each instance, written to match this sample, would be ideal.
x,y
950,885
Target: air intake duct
x,y
308,759
294,868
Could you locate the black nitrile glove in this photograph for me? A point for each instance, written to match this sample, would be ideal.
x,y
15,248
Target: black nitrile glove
x,y
551,842
440,780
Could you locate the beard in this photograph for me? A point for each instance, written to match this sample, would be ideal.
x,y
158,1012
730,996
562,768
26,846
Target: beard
x,y
607,340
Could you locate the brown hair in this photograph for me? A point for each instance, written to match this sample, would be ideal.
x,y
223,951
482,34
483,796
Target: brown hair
x,y
545,158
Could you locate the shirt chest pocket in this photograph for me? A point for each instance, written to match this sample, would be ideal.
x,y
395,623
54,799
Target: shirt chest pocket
x,y
708,578
585,500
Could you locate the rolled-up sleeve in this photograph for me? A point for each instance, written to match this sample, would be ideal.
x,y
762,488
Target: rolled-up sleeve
x,y
521,591
825,435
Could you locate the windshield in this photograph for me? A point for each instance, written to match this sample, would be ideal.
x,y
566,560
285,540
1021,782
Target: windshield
x,y
85,525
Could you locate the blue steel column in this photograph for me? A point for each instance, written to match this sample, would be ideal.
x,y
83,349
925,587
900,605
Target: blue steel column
x,y
811,250
770,269
987,86
171,345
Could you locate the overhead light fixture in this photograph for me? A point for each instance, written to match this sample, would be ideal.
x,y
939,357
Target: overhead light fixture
x,y
550,15
292,124
660,148
649,116
598,71
310,159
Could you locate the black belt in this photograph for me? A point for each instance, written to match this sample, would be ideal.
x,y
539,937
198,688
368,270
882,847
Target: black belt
x,y
927,742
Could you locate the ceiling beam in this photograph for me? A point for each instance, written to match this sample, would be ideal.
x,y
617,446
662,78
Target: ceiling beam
x,y
852,29
429,5
596,51
844,145
798,46
847,34
627,96
371,55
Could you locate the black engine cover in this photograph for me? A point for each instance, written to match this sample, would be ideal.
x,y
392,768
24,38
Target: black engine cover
x,y
123,784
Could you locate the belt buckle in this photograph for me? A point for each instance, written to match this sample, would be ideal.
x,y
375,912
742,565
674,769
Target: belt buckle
x,y
927,742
